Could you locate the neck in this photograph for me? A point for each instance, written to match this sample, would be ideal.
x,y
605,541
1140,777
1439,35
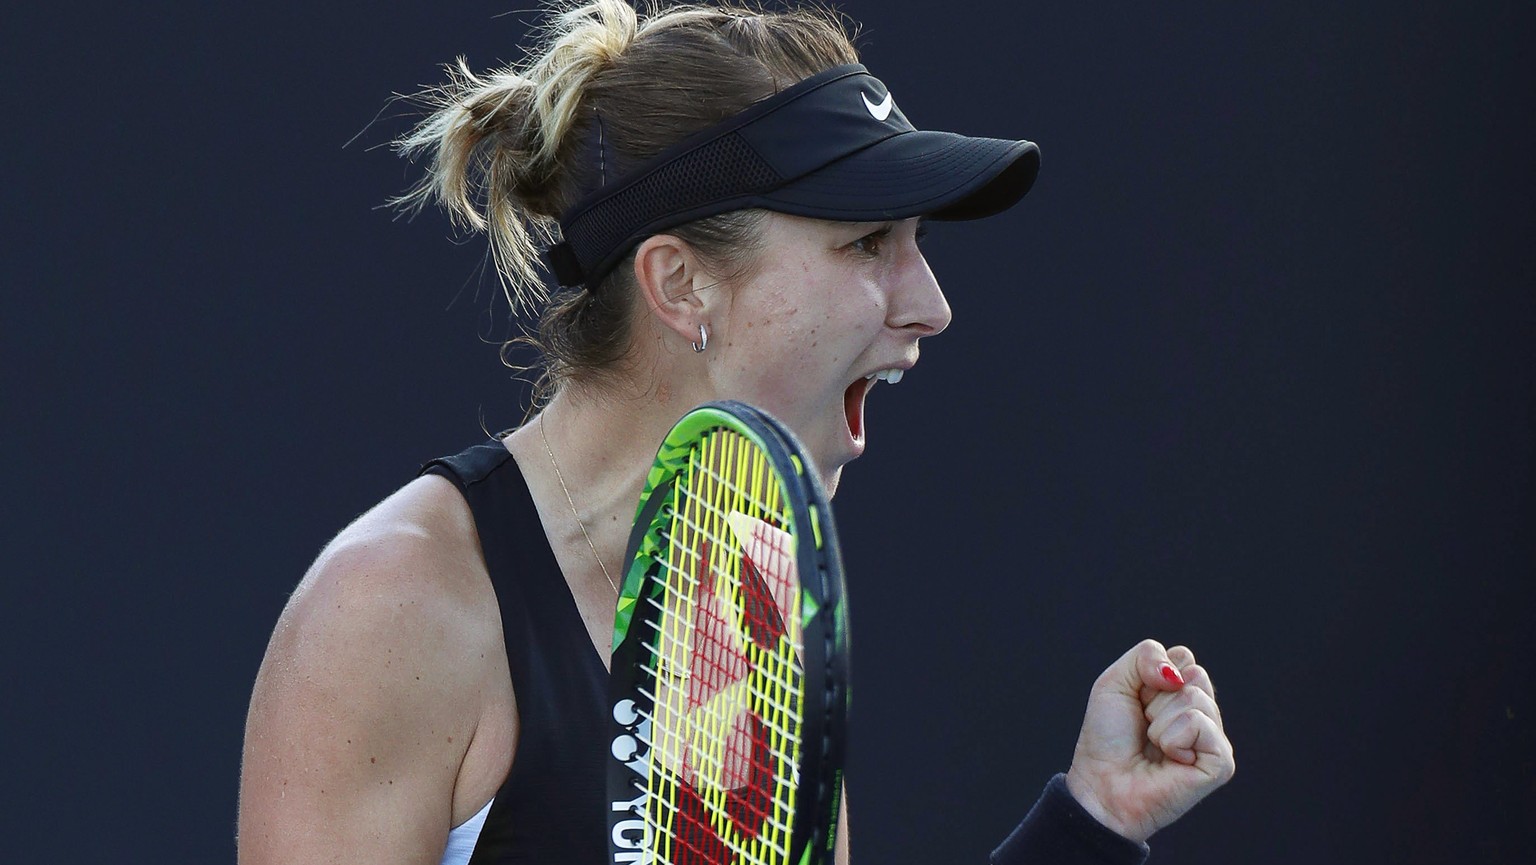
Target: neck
x,y
600,447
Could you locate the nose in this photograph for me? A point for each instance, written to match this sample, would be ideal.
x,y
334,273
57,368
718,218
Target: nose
x,y
917,302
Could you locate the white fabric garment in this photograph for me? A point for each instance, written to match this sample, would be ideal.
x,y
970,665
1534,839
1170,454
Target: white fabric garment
x,y
462,838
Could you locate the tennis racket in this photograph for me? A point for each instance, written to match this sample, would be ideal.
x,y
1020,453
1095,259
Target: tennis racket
x,y
730,654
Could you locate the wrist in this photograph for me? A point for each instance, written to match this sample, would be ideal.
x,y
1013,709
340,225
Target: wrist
x,y
1087,797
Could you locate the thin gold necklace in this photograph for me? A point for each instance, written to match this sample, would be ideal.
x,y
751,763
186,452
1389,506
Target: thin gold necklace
x,y
568,500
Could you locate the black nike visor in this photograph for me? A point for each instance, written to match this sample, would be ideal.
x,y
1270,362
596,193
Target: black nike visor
x,y
834,146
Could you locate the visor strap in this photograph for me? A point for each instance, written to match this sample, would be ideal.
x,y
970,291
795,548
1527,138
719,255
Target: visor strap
x,y
564,264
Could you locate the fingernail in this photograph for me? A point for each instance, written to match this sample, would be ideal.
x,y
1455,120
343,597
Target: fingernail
x,y
1171,676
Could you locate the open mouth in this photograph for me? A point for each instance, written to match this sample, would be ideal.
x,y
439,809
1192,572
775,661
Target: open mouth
x,y
854,396
853,408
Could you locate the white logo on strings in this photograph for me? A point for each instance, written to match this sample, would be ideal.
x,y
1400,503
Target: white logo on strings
x,y
883,110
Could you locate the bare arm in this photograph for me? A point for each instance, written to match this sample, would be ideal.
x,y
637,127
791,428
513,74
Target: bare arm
x,y
365,704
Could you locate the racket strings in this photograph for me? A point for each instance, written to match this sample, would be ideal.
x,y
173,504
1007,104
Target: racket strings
x,y
745,853
785,679
774,725
684,673
724,724
762,506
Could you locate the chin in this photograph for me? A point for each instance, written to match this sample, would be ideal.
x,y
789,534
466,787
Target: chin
x,y
830,479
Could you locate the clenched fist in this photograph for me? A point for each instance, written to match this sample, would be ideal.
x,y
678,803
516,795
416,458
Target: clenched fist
x,y
1152,743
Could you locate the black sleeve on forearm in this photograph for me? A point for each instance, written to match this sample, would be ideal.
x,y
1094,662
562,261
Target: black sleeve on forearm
x,y
1057,831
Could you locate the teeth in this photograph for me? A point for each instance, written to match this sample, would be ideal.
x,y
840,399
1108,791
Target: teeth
x,y
889,376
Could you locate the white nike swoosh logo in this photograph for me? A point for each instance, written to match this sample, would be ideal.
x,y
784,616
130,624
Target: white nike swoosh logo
x,y
879,112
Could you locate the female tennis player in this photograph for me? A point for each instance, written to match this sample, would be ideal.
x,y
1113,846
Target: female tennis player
x,y
732,208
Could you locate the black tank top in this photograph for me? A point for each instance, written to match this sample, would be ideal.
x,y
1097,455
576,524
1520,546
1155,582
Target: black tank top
x,y
551,807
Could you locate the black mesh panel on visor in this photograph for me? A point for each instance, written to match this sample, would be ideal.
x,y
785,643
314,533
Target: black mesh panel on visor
x,y
719,170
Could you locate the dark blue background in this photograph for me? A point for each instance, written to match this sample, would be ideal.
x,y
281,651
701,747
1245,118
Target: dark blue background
x,y
1251,369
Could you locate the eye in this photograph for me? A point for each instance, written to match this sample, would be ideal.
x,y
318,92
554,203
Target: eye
x,y
922,231
872,243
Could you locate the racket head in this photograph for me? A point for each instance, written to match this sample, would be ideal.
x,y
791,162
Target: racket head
x,y
729,686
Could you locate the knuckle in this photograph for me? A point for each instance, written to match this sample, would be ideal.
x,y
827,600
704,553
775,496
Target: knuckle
x,y
1226,770
1198,676
1183,701
1203,699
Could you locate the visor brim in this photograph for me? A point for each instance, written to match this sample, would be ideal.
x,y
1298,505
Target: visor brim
x,y
940,175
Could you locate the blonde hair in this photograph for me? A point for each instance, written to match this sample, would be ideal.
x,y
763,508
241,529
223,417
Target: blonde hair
x,y
506,148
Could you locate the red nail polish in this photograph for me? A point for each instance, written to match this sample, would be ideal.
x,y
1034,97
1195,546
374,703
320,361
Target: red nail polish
x,y
1171,676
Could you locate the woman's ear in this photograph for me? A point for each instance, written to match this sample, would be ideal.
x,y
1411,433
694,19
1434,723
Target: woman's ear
x,y
669,276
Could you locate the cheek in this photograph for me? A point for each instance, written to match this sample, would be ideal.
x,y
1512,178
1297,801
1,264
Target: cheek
x,y
794,334
777,372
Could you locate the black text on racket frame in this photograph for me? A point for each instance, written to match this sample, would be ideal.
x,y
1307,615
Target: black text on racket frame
x,y
793,704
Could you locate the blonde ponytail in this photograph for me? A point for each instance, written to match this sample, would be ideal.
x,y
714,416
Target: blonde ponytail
x,y
495,141
587,40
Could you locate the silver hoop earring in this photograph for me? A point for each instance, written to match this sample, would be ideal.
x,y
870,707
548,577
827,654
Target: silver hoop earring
x,y
703,342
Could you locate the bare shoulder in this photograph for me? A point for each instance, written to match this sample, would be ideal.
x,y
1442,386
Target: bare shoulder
x,y
420,542
406,575
372,688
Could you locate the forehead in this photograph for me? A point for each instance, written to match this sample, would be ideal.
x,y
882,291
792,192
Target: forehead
x,y
788,227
